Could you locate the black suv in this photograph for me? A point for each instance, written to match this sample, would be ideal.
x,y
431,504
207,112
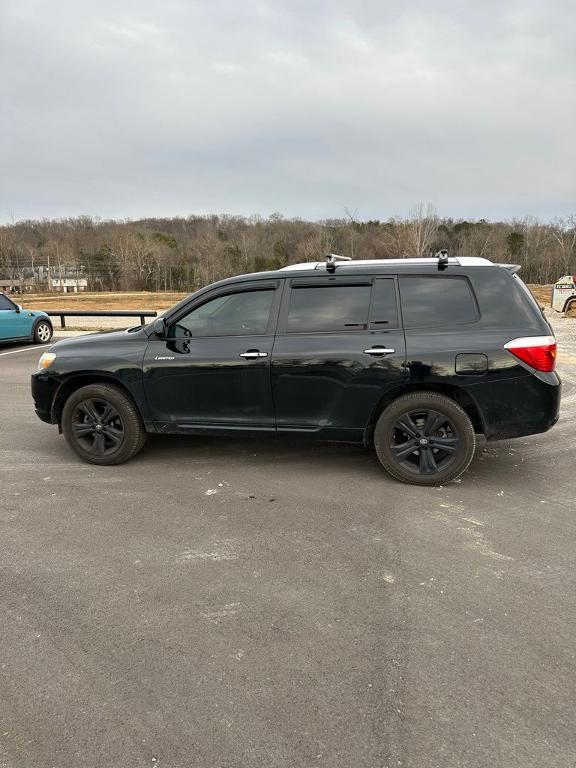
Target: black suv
x,y
414,356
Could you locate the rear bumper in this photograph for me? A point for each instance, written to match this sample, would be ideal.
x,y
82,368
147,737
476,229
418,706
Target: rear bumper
x,y
517,407
44,389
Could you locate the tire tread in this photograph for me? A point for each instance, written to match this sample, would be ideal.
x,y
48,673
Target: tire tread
x,y
35,337
413,400
135,433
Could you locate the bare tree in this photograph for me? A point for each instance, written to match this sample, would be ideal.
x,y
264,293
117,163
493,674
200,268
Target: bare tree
x,y
422,228
395,239
352,217
564,233
317,245
186,253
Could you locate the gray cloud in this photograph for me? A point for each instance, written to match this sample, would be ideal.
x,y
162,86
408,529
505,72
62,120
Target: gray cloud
x,y
133,108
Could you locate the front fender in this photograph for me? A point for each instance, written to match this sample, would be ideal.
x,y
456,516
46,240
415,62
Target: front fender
x,y
37,314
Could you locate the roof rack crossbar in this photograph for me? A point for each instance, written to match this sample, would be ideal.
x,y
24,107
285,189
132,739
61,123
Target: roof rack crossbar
x,y
442,257
332,259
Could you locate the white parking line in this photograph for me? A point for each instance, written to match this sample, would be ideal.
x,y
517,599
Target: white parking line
x,y
15,351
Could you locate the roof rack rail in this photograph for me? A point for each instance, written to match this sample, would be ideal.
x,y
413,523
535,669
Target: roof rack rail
x,y
442,257
332,259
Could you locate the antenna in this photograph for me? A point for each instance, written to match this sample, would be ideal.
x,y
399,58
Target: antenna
x,y
442,257
332,259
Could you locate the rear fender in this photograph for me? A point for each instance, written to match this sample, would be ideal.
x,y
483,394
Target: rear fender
x,y
459,395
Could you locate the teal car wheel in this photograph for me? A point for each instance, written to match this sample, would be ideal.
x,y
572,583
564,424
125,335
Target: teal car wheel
x,y
42,332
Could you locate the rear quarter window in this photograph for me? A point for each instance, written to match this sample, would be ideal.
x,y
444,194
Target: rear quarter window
x,y
431,301
505,301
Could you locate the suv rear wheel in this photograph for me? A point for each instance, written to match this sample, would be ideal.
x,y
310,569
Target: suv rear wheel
x,y
102,425
424,438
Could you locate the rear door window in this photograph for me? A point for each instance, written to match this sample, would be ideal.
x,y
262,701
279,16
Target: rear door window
x,y
5,303
429,301
326,308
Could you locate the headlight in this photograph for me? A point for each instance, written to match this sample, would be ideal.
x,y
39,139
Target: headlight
x,y
46,360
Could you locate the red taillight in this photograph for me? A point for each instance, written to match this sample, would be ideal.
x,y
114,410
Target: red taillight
x,y
536,351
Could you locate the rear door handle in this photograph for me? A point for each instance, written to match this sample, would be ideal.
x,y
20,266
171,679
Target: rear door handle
x,y
378,350
252,354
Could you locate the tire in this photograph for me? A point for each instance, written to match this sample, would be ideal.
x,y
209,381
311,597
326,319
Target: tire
x,y
42,332
424,438
102,425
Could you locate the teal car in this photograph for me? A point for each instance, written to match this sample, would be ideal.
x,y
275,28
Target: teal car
x,y
18,324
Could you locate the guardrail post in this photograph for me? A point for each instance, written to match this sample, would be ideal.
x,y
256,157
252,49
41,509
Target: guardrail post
x,y
62,321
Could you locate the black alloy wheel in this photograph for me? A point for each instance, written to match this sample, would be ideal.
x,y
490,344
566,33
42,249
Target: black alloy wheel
x,y
102,424
424,438
97,426
425,441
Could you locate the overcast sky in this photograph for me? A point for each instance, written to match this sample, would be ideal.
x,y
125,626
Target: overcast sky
x,y
129,108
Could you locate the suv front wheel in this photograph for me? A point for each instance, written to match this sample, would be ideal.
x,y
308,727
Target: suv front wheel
x,y
424,438
101,424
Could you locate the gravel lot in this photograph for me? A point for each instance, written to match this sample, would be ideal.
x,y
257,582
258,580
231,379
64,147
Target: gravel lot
x,y
230,604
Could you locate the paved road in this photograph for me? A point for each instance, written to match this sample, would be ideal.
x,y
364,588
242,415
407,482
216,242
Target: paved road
x,y
230,604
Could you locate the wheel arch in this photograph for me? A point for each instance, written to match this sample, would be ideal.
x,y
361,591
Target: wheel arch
x,y
42,319
75,382
458,394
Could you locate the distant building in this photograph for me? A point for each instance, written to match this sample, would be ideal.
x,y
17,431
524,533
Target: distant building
x,y
67,284
33,279
17,286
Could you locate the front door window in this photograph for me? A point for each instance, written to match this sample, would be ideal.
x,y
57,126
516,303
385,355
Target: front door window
x,y
235,314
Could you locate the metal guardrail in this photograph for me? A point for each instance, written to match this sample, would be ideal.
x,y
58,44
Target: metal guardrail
x,y
64,313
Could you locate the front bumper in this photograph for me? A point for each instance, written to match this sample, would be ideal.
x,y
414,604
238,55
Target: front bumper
x,y
44,389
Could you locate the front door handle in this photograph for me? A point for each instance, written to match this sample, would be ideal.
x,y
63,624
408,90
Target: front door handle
x,y
378,350
252,354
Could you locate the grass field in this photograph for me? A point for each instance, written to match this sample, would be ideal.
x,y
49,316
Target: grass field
x,y
155,301
102,301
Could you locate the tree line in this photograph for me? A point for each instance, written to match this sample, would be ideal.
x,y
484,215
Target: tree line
x,y
182,254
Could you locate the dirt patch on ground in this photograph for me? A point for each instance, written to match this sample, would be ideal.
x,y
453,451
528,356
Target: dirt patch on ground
x,y
542,294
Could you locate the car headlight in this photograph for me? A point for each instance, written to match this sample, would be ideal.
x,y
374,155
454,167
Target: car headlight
x,y
46,360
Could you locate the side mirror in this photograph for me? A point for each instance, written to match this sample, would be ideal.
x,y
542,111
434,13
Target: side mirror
x,y
18,308
159,327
